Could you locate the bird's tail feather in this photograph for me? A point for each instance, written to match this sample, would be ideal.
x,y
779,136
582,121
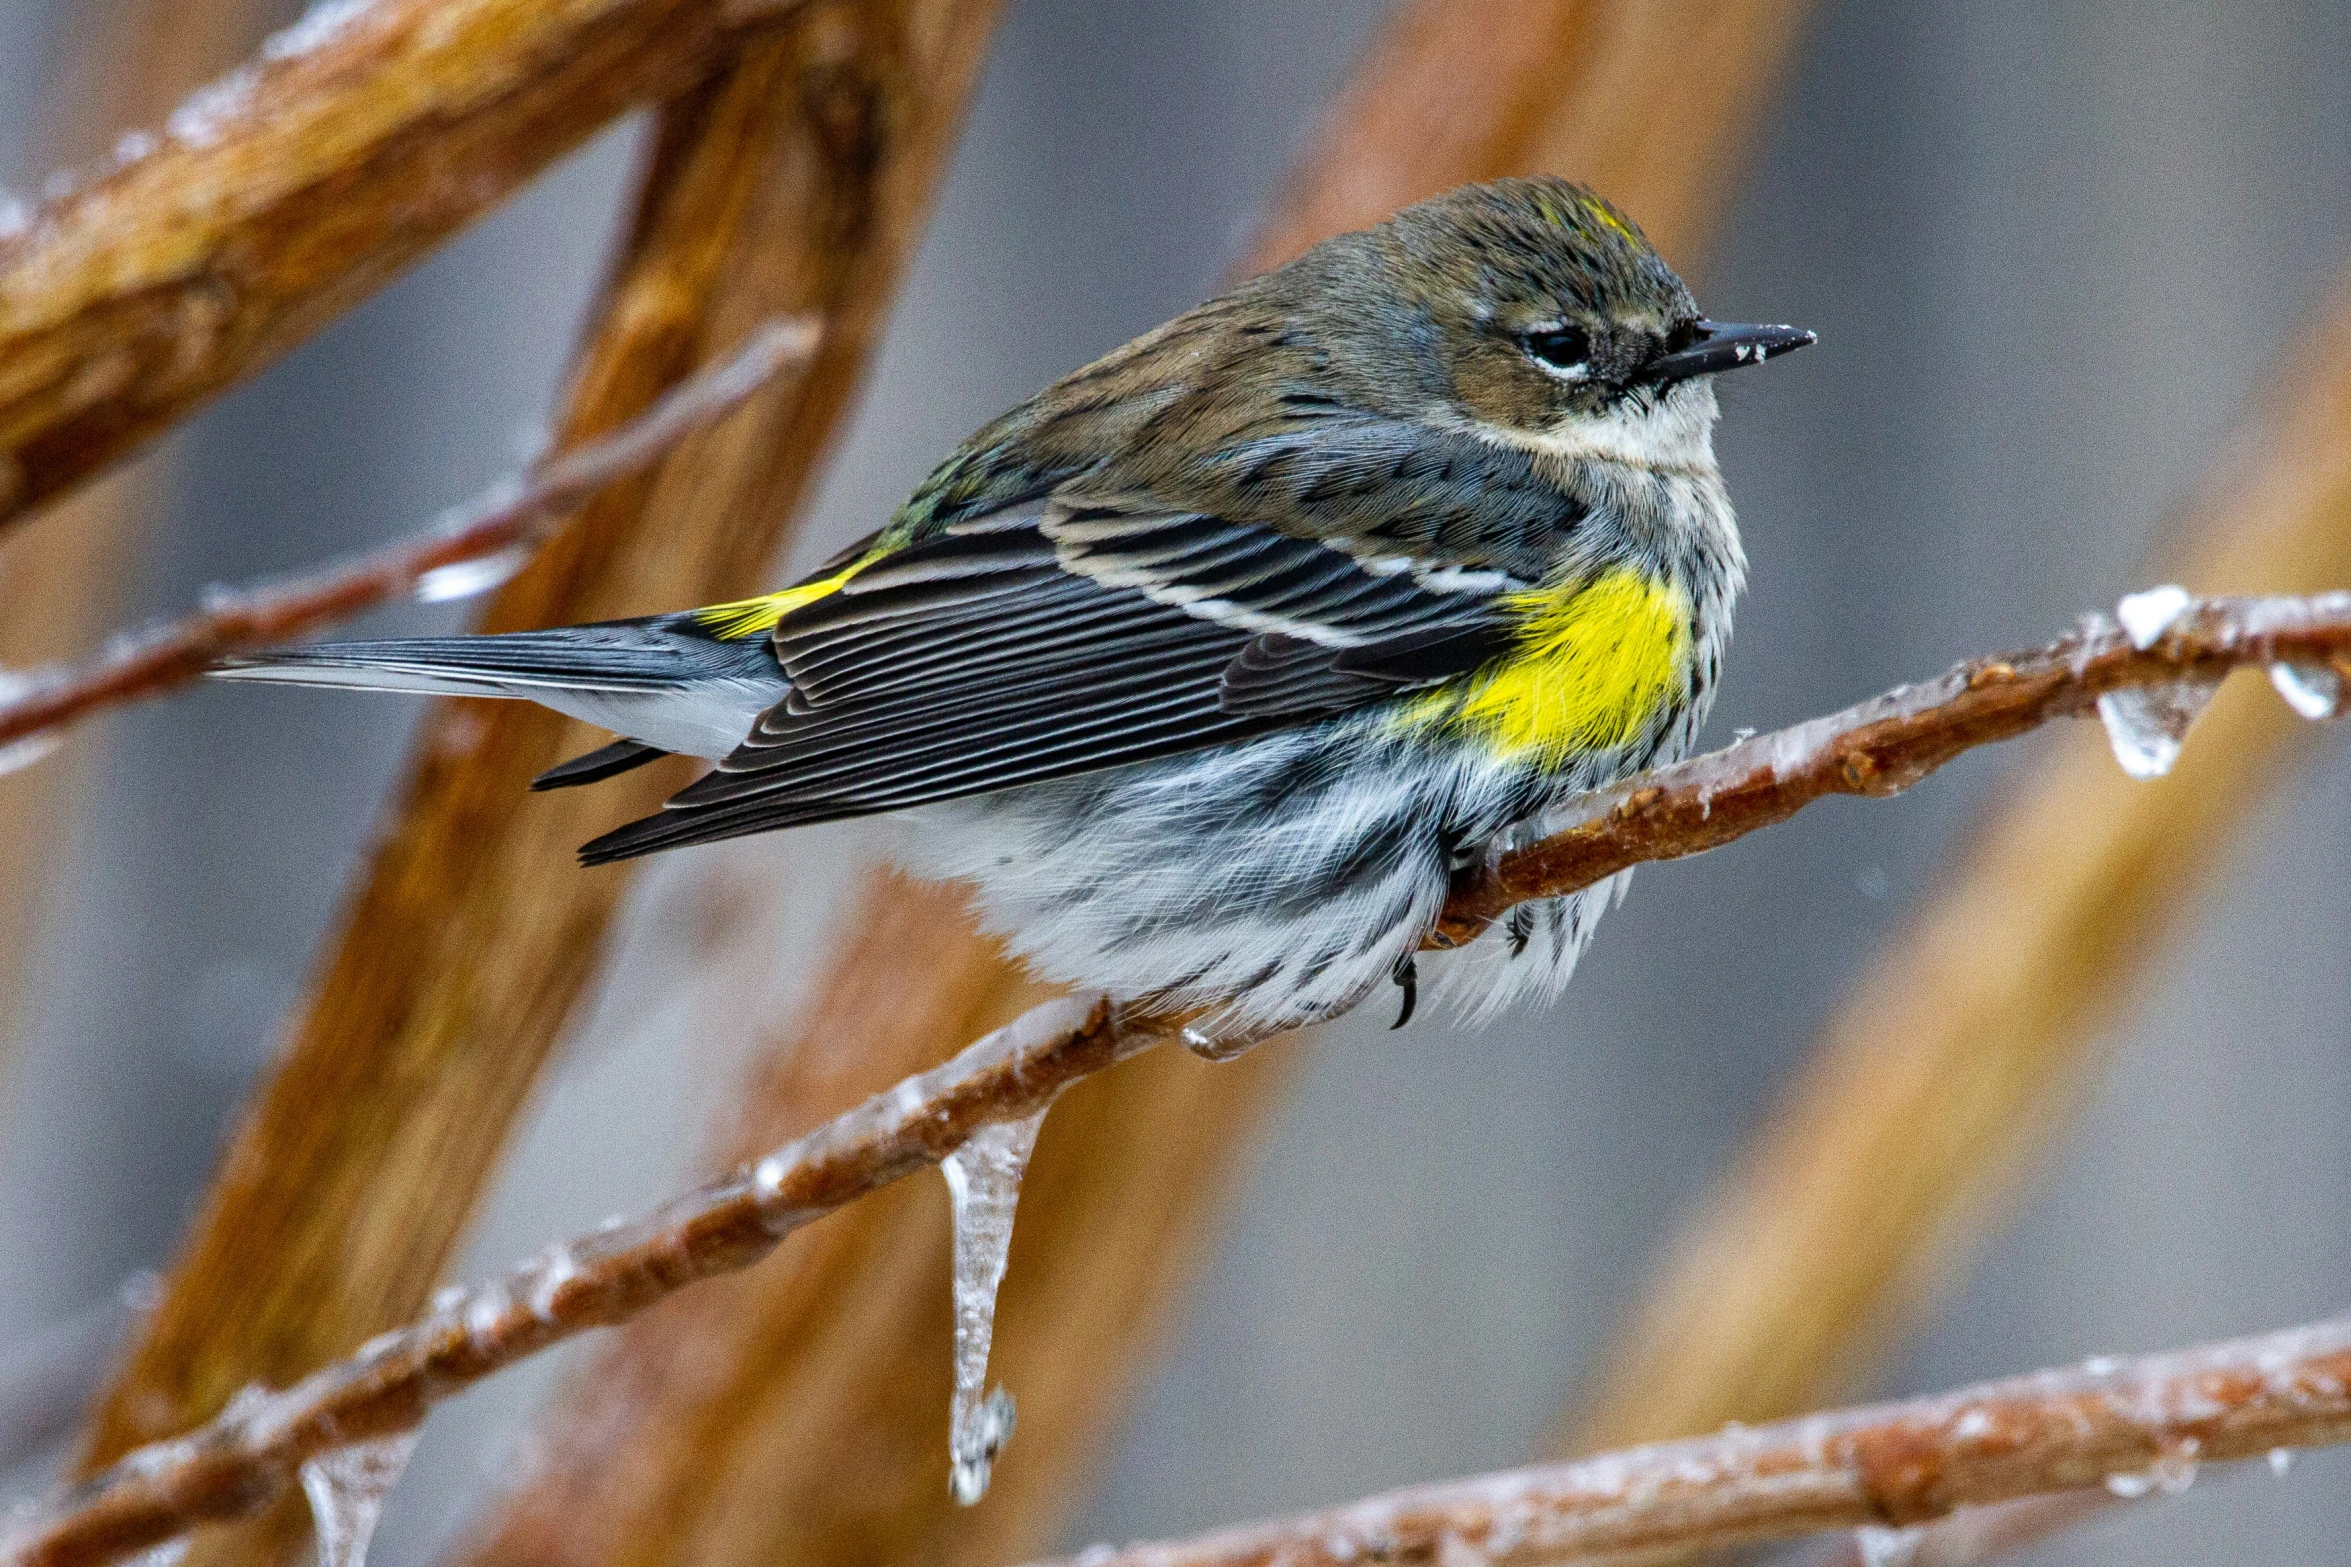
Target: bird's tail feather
x,y
664,686
569,659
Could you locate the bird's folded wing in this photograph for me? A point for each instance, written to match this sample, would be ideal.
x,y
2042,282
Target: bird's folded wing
x,y
1034,644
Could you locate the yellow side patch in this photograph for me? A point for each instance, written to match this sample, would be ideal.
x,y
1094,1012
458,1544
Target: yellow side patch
x,y
757,617
1593,665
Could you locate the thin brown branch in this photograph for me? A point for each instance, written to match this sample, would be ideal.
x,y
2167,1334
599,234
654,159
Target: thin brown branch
x,y
246,1455
249,1454
1883,746
2138,1425
277,197
499,529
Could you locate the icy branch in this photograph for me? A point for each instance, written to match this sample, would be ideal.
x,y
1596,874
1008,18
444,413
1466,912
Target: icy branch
x,y
2127,1427
256,1447
250,1453
1883,746
482,541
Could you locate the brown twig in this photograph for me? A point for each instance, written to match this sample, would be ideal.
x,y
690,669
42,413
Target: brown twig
x,y
246,1455
249,1454
500,527
280,195
1883,746
2138,1425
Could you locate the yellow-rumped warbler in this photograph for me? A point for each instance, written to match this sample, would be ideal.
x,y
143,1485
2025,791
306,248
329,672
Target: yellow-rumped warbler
x,y
1212,662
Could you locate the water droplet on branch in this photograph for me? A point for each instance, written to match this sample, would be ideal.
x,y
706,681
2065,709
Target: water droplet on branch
x,y
2175,1468
347,1487
1883,1547
2146,724
2313,690
983,1184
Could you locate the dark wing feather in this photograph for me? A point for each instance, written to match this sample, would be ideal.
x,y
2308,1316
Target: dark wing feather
x,y
1011,650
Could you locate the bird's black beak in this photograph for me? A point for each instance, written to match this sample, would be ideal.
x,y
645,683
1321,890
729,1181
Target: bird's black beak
x,y
1717,347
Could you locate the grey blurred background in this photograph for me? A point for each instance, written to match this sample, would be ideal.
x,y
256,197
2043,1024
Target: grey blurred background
x,y
2049,248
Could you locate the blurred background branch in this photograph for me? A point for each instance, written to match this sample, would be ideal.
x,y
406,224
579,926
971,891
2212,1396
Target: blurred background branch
x,y
471,549
281,195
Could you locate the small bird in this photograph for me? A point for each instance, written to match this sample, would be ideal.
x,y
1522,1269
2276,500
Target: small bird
x,y
1210,665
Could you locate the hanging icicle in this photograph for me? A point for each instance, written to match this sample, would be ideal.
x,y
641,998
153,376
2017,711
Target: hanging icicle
x,y
347,1487
983,1183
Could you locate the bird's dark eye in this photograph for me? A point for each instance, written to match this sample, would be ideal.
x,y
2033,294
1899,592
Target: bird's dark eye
x,y
1560,347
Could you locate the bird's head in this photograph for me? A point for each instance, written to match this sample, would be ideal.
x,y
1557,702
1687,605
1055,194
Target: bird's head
x,y
1533,311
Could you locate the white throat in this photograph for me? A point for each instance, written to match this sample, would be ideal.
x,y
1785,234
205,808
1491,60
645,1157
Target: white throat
x,y
1674,433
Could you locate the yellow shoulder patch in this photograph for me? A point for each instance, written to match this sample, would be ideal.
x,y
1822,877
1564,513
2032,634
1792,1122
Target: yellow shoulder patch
x,y
757,617
1594,663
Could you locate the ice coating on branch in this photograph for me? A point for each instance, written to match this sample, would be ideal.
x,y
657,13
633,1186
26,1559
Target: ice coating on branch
x,y
558,1266
1884,1547
206,112
1231,1046
983,1183
16,214
169,1554
2175,1471
2281,1459
462,579
2146,724
134,146
2313,690
2147,616
347,1487
19,754
1454,1551
316,27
